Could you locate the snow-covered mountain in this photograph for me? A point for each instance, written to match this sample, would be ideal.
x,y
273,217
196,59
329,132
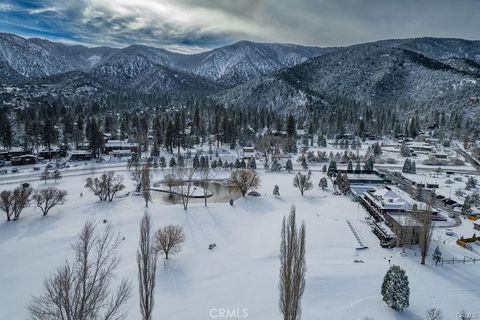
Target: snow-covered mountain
x,y
33,58
409,73
369,74
226,66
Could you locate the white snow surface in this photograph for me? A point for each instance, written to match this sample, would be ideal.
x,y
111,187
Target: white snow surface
x,y
242,271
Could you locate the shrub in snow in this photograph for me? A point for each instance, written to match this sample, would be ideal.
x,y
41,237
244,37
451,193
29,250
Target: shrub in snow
x,y
395,289
434,314
471,183
323,183
276,190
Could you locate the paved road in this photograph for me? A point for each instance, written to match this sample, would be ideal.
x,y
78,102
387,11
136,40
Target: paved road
x,y
467,156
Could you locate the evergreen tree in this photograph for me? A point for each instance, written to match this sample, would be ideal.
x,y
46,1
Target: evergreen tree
x,y
332,168
163,162
252,164
324,168
276,166
172,163
323,183
291,130
276,190
350,166
437,256
289,166
180,160
407,166
368,165
471,183
304,163
395,289
358,167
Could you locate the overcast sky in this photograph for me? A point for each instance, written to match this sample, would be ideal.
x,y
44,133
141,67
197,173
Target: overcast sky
x,y
196,25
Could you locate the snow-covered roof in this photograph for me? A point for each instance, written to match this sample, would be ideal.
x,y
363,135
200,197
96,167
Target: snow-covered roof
x,y
389,199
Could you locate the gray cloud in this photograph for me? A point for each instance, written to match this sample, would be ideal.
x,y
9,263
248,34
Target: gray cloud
x,y
192,25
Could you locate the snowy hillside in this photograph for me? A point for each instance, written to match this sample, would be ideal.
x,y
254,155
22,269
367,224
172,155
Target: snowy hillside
x,y
367,74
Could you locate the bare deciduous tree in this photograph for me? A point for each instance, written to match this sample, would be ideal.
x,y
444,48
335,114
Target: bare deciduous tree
x,y
434,314
6,203
136,175
183,185
106,186
302,182
81,289
292,267
425,231
48,198
145,184
245,180
147,267
169,240
205,177
13,202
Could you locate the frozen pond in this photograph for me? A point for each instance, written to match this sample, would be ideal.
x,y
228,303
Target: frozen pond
x,y
218,193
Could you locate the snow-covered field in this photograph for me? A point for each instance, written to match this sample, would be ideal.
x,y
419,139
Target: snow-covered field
x,y
242,271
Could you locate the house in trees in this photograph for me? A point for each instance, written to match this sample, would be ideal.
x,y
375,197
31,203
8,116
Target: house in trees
x,y
24,160
112,146
248,152
50,154
7,155
80,155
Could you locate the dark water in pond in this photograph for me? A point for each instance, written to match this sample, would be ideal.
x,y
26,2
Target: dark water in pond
x,y
221,194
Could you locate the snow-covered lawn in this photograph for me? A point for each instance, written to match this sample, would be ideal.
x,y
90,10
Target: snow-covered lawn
x,y
242,271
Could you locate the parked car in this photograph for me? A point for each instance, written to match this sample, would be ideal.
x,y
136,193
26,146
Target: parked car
x,y
3,171
449,232
14,170
36,168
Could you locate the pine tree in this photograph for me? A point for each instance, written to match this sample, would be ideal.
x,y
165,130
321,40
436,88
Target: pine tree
x,y
173,162
163,163
413,168
407,166
57,175
180,160
276,190
324,168
252,164
368,165
323,183
437,256
304,163
276,166
350,166
289,166
332,168
358,167
395,289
